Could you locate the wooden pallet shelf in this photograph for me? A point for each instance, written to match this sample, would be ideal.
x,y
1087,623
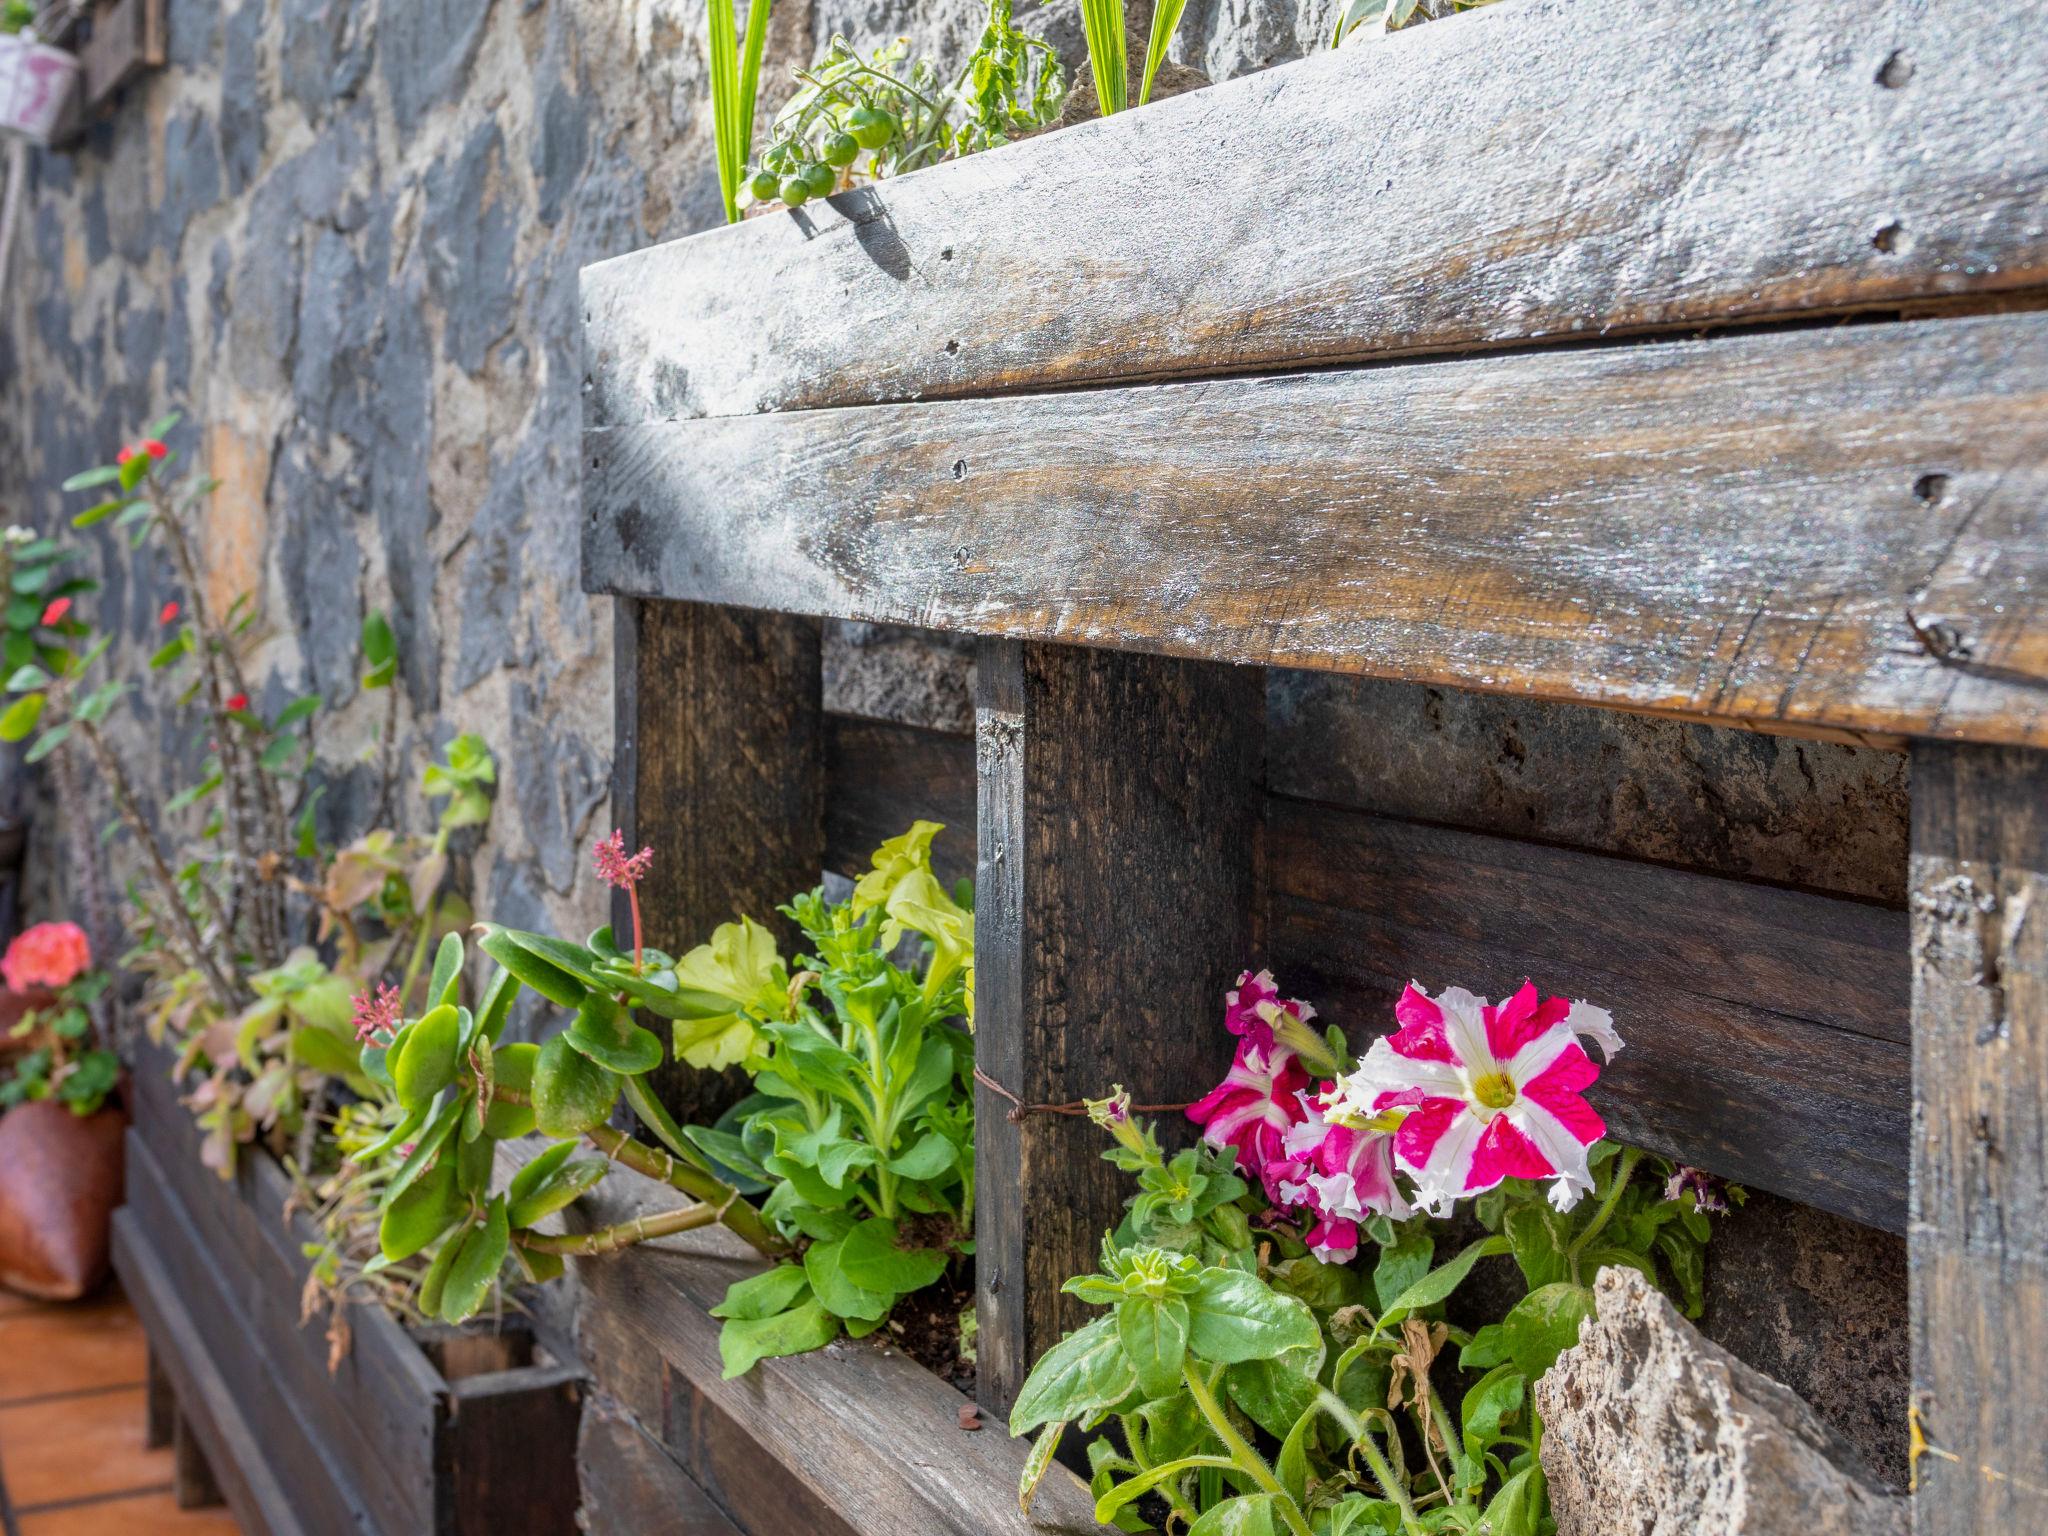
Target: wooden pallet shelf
x,y
1151,405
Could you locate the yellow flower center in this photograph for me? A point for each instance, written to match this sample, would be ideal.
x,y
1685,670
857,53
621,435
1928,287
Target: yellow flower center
x,y
1496,1090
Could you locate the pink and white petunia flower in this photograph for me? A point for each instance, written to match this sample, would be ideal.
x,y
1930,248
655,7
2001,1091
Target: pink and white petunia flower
x,y
1341,1174
1254,1010
1484,1093
1251,1109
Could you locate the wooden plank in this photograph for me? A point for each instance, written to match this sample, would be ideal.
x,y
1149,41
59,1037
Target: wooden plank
x,y
508,1453
1549,169
1118,838
1766,1028
212,1407
718,764
302,1436
855,1437
632,1483
1979,1233
127,38
881,776
1738,529
378,1410
160,1406
192,1481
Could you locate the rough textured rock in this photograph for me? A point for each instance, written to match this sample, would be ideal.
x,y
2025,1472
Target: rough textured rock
x,y
1650,1430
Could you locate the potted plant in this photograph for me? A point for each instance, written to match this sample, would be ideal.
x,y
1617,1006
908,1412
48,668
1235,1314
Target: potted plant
x,y
36,79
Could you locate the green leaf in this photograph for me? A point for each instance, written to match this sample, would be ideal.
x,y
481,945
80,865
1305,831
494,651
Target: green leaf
x,y
1154,1333
30,676
743,1342
1514,1511
1275,1393
21,717
512,1065
421,1214
571,1093
1143,1482
567,1185
85,480
932,1156
606,1033
538,1172
1165,18
435,1282
1544,1324
1541,1235
299,709
1037,1462
497,1004
1081,1375
1249,1514
763,1295
45,744
99,512
477,1266
1103,23
1403,1262
426,1062
1233,1316
432,1138
447,970
874,1261
1439,1283
824,1268
1489,1406
380,651
546,978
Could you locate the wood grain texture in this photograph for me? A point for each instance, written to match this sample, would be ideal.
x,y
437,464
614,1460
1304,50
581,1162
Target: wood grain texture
x,y
718,764
1979,1233
1118,848
1766,1028
508,1453
1739,529
1547,169
207,1402
632,1483
192,1481
880,777
854,1437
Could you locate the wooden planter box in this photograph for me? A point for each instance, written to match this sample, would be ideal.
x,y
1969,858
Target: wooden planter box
x,y
453,1433
1039,398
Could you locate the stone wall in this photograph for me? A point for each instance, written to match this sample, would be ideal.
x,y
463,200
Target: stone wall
x,y
344,237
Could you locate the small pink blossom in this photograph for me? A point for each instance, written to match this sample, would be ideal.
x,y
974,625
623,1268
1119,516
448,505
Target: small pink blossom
x,y
615,866
168,614
1253,1010
1340,1175
1709,1194
378,1015
54,613
1484,1093
47,955
1252,1108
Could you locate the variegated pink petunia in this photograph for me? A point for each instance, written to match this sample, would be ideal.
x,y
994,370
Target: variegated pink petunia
x,y
1341,1174
1253,1009
1484,1093
1251,1109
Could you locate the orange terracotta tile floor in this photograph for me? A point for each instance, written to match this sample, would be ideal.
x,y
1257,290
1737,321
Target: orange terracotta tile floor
x,y
72,1457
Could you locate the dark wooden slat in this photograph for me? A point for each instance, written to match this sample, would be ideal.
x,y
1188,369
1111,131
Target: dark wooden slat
x,y
389,1453
632,1483
161,1405
1547,169
1766,1027
1737,529
718,763
1118,839
1979,1233
205,1399
303,1435
192,1481
508,1453
854,1437
880,777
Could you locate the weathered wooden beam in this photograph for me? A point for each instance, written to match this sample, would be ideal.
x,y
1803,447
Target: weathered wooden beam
x,y
718,764
1979,1233
1549,169
881,776
1766,1027
1843,528
1118,837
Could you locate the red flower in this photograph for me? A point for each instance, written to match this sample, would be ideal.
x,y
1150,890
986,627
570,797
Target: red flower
x,y
238,703
49,954
615,866
148,445
169,615
54,614
377,1014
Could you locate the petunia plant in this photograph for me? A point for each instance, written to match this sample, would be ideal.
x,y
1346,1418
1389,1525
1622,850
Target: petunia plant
x,y
68,1058
859,1133
1278,1354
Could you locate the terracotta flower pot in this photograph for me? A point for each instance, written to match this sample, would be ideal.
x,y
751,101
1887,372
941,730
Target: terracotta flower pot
x,y
60,1179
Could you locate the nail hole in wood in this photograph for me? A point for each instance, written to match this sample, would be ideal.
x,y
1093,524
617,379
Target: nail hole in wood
x,y
946,254
1931,488
1895,71
1892,239
959,469
952,346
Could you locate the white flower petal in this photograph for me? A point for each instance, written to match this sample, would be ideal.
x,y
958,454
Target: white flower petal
x,y
1597,1025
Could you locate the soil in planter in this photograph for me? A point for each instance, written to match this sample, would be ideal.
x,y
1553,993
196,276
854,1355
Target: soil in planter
x,y
926,1327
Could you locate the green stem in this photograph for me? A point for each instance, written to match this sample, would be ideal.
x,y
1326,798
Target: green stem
x,y
1605,1214
607,1239
1390,1485
1249,1461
